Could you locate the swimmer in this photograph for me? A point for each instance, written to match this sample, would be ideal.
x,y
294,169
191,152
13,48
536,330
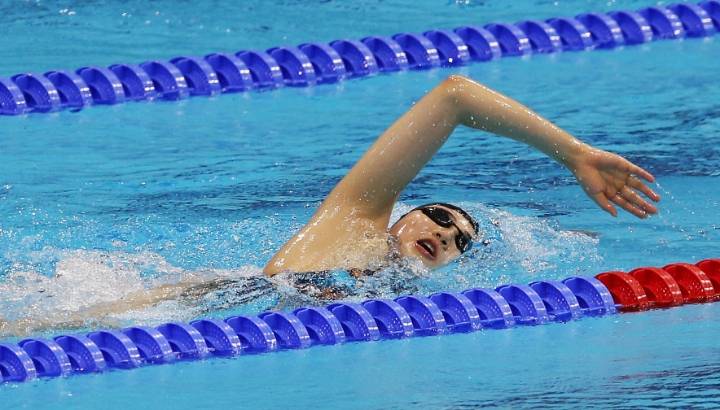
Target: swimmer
x,y
349,231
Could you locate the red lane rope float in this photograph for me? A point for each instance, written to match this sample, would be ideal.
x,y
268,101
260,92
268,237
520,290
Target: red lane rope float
x,y
660,286
694,283
625,290
673,285
711,267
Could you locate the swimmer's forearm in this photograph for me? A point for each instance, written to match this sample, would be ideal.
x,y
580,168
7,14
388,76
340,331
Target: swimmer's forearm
x,y
27,326
482,108
137,301
98,314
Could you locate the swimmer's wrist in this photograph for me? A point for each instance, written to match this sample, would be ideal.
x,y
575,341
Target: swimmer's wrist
x,y
573,154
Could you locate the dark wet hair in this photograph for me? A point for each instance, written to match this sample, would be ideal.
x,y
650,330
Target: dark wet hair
x,y
457,209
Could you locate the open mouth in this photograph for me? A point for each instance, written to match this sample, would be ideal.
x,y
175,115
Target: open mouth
x,y
427,248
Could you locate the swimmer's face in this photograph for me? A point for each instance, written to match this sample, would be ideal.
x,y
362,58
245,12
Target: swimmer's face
x,y
418,236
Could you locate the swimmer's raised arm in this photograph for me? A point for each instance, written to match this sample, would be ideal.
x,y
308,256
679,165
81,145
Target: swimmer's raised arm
x,y
376,180
347,229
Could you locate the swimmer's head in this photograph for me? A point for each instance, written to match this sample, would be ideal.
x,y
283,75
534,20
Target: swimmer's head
x,y
435,233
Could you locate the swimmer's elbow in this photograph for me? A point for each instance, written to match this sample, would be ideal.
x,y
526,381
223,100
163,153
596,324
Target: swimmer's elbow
x,y
456,79
458,85
453,91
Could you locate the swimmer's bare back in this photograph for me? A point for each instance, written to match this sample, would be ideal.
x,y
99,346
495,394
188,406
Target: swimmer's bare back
x,y
349,229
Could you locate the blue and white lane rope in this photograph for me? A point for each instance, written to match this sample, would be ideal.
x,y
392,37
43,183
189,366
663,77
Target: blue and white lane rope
x,y
475,309
316,63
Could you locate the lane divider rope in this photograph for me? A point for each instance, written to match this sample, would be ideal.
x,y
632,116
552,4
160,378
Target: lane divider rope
x,y
507,306
316,63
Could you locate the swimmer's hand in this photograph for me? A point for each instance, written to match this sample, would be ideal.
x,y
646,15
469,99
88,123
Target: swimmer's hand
x,y
607,177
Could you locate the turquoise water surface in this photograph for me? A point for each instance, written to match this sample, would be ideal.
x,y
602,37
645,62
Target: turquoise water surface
x,y
115,199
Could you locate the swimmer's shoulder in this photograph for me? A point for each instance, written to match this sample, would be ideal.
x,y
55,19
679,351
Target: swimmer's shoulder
x,y
341,234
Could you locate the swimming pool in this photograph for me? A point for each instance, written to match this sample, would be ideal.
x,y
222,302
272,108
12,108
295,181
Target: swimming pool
x,y
114,197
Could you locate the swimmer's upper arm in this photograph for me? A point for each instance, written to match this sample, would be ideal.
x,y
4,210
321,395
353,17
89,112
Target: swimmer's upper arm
x,y
374,183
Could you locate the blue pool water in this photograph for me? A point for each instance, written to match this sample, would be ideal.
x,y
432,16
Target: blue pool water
x,y
110,200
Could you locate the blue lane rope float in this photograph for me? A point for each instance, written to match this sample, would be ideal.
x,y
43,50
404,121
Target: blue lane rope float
x,y
316,63
538,303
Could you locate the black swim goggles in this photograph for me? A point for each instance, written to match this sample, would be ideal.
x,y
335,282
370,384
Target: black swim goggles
x,y
442,217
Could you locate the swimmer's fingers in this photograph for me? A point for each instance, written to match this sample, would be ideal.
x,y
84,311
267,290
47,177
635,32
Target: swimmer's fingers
x,y
636,170
604,203
628,206
638,201
638,185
